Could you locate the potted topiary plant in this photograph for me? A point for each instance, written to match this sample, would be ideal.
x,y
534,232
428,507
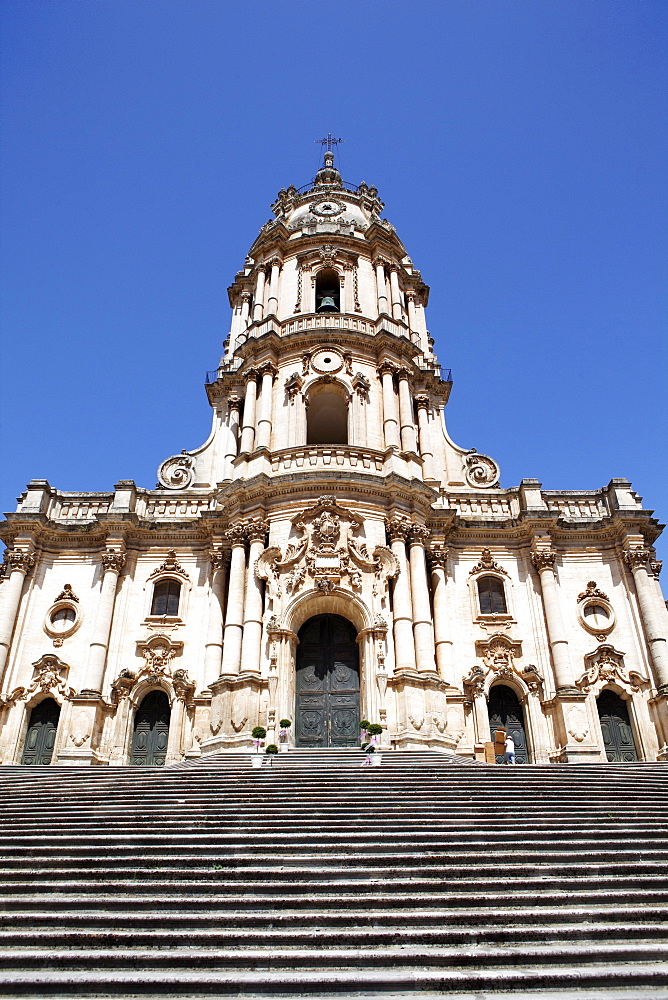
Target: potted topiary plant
x,y
364,726
375,731
283,744
270,752
258,734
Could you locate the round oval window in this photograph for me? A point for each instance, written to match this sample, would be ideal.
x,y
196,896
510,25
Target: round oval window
x,y
63,619
597,615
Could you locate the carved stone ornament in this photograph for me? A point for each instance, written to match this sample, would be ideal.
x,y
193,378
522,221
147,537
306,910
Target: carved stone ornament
x,y
474,682
543,559
326,551
67,594
176,472
114,561
81,728
361,385
637,557
578,725
592,591
171,566
158,652
437,557
418,534
486,564
499,651
397,527
219,558
481,471
293,384
49,674
605,665
17,559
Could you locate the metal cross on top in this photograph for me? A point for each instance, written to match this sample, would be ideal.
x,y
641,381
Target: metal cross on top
x,y
329,142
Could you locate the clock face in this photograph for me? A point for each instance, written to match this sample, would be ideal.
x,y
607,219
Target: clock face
x,y
328,208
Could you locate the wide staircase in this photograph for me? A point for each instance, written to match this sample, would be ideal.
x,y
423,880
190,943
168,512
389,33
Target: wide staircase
x,y
318,875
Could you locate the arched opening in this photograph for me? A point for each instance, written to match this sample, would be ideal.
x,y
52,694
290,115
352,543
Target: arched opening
x,y
151,731
491,596
327,416
41,735
505,712
327,291
616,727
327,710
166,596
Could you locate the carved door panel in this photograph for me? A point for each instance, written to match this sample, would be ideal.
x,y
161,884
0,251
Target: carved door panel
x,y
151,732
505,711
616,726
41,735
328,690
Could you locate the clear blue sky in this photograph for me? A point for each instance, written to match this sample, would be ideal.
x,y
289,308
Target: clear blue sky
x,y
519,145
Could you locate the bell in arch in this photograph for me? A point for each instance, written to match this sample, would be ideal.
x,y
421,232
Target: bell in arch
x,y
327,304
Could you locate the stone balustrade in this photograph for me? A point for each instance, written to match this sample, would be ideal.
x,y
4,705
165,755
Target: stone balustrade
x,y
321,456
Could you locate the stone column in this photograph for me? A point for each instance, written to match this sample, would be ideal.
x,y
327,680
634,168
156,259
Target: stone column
x,y
408,436
404,645
423,629
232,442
112,563
653,626
474,685
272,304
442,637
263,439
19,564
412,324
248,429
253,605
397,311
390,409
543,560
381,286
213,651
258,308
234,617
245,309
424,437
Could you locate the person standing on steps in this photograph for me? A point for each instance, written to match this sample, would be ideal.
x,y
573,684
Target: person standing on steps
x,y
509,755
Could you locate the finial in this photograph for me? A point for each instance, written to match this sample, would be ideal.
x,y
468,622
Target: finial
x,y
329,142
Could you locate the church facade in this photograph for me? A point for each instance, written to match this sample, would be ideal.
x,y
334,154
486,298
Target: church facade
x,y
329,554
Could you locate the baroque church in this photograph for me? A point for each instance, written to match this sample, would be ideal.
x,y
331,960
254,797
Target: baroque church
x,y
329,554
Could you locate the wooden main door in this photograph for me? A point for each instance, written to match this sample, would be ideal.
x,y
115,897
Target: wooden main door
x,y
328,684
616,725
506,712
149,743
41,735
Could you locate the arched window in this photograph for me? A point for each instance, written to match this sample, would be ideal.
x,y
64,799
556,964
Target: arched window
x,y
491,596
166,598
327,291
327,417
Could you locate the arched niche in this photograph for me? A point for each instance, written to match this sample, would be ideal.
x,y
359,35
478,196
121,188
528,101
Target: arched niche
x,y
327,413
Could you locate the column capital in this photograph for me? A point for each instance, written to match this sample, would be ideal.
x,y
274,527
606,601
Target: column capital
x,y
422,402
438,556
636,558
237,534
16,559
246,296
418,534
380,262
250,374
275,262
386,368
410,294
256,531
397,528
233,402
113,561
404,373
268,368
219,558
544,559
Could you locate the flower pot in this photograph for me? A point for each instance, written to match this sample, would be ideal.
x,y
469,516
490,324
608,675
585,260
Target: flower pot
x,y
256,759
376,759
284,747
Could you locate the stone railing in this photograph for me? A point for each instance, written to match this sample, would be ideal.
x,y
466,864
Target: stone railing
x,y
486,507
334,322
171,506
324,456
78,508
577,506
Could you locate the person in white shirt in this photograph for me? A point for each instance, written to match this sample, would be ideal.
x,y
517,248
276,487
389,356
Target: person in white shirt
x,y
509,755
